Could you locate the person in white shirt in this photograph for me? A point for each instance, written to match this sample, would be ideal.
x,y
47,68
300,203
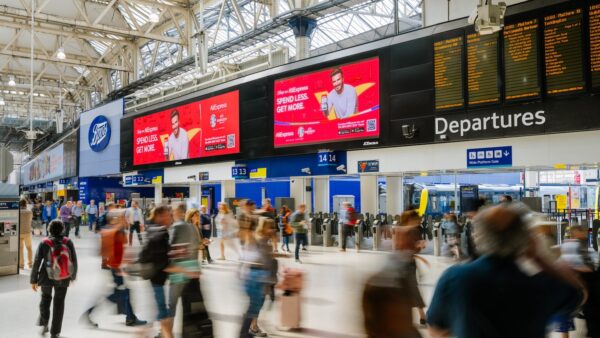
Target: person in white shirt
x,y
343,98
135,219
178,142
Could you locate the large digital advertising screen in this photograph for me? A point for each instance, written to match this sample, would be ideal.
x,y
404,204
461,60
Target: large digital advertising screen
x,y
334,104
205,128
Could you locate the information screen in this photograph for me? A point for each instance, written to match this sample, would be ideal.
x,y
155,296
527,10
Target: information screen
x,y
482,68
333,104
448,61
521,60
595,44
563,47
209,127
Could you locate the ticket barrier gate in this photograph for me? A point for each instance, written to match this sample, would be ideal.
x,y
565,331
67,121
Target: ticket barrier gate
x,y
326,230
316,230
377,234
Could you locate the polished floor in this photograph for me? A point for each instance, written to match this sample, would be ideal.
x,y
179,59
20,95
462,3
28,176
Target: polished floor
x,y
331,299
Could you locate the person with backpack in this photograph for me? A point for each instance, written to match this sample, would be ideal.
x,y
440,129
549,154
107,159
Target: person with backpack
x,y
113,242
54,268
286,228
348,218
155,255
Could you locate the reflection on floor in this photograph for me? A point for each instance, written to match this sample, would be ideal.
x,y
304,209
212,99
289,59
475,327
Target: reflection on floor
x,y
331,300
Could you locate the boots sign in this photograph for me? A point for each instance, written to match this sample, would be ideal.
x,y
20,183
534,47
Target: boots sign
x,y
452,127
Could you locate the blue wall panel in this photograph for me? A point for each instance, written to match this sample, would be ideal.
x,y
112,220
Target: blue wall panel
x,y
252,190
348,186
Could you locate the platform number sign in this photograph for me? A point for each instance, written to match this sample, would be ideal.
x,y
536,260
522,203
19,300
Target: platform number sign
x,y
327,158
239,172
489,157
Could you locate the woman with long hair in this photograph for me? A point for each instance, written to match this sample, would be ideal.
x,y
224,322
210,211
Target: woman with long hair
x,y
227,229
286,228
192,216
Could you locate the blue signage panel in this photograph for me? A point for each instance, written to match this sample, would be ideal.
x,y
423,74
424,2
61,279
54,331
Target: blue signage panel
x,y
49,184
327,158
83,185
240,172
64,181
489,157
371,166
9,205
136,180
203,176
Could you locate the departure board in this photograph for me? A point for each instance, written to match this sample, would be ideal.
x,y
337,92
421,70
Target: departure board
x,y
448,60
563,52
595,44
521,79
482,68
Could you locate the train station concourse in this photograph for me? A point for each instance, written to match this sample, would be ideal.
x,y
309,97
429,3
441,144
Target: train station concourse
x,y
299,168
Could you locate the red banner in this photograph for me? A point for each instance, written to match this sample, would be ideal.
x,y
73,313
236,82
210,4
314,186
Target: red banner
x,y
209,127
330,105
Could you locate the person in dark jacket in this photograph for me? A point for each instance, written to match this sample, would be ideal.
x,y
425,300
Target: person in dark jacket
x,y
161,220
39,278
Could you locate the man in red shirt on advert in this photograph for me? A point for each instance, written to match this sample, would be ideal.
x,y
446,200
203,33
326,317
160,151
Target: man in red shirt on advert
x,y
348,218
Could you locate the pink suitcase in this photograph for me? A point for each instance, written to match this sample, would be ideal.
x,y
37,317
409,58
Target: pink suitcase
x,y
290,311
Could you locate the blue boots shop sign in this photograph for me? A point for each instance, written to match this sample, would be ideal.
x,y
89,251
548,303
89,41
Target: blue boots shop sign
x,y
99,133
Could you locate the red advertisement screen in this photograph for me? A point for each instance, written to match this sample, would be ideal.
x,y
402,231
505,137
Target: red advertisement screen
x,y
209,127
330,105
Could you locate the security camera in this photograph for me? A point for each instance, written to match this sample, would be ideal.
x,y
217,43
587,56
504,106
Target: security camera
x,y
192,177
409,131
487,17
341,168
305,171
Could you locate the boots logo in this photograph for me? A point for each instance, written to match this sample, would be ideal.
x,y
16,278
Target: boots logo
x,y
99,133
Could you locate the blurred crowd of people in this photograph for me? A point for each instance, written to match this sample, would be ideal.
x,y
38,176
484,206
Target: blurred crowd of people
x,y
511,281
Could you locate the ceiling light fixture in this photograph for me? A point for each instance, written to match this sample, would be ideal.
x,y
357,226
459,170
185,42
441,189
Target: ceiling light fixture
x,y
154,17
60,54
11,80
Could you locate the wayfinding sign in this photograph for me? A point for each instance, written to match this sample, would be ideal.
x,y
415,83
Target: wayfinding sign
x,y
489,157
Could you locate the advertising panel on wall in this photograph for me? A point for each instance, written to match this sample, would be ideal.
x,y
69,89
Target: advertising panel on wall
x,y
334,104
46,166
100,139
209,127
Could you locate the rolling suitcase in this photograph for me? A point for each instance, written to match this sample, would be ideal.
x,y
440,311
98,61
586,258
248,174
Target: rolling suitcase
x,y
290,310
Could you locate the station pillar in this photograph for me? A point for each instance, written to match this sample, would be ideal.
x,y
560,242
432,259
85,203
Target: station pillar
x,y
394,195
298,191
227,189
196,192
369,197
303,27
321,194
158,193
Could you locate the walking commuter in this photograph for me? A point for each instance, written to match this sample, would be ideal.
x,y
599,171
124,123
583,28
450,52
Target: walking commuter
x,y
206,231
37,216
49,213
404,242
286,228
92,214
452,233
521,305
156,251
247,221
226,229
112,250
259,260
299,224
135,221
184,282
77,211
390,294
268,211
25,221
66,216
348,218
54,268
